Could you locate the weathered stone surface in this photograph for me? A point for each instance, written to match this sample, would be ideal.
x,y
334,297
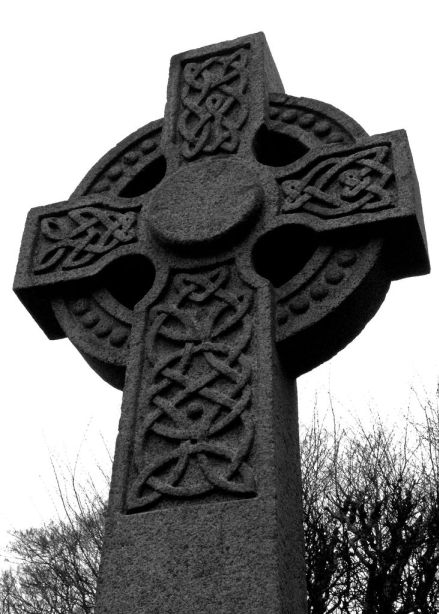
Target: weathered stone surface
x,y
202,265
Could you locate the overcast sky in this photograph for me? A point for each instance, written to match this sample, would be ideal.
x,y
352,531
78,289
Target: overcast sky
x,y
79,76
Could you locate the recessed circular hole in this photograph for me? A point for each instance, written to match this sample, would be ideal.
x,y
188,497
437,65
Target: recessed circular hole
x,y
146,179
129,278
283,252
276,148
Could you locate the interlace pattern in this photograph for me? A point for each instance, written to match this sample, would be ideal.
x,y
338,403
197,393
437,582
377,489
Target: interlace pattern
x,y
214,105
81,236
342,184
196,430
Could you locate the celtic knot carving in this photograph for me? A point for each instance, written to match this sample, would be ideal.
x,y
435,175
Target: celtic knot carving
x,y
342,185
81,236
214,104
195,431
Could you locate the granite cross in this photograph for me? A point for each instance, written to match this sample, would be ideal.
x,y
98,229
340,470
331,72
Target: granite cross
x,y
202,265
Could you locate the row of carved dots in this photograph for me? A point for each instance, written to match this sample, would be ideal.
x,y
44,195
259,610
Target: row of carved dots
x,y
101,327
128,159
319,290
308,121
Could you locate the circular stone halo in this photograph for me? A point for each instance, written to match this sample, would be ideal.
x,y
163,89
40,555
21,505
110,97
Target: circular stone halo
x,y
144,145
204,203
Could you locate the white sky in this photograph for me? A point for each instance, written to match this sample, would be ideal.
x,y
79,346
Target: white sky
x,y
79,76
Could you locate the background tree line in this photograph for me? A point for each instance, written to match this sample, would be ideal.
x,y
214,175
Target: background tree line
x,y
371,520
371,517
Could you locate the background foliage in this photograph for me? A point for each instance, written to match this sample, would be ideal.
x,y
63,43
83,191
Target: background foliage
x,y
371,520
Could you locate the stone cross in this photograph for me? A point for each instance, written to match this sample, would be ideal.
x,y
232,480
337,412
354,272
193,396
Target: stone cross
x,y
202,265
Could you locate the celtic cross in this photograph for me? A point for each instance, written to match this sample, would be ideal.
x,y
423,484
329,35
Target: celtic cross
x,y
202,265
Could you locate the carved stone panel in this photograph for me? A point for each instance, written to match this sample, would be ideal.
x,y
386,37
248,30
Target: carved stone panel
x,y
342,184
194,430
213,103
79,237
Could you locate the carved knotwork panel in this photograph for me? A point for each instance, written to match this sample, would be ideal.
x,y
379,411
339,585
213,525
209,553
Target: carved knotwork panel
x,y
81,236
194,430
213,103
341,184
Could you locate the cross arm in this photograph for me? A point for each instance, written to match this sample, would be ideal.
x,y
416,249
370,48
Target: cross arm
x,y
370,185
70,242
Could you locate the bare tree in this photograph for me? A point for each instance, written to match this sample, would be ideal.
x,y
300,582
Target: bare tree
x,y
55,566
371,503
371,520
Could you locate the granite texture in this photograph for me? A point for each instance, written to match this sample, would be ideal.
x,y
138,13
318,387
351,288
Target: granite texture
x,y
201,266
